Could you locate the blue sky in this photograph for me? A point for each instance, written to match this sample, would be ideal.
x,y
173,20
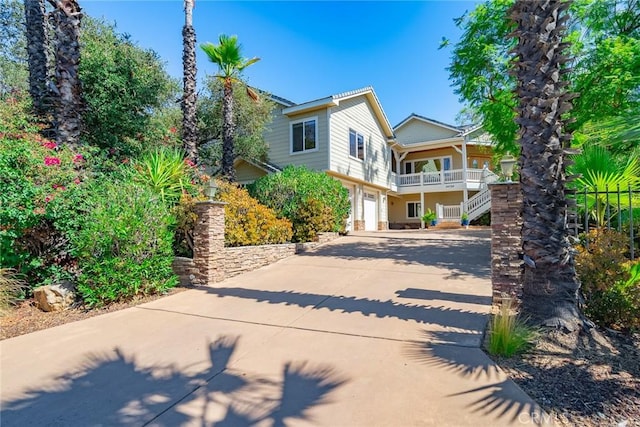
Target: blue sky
x,y
310,50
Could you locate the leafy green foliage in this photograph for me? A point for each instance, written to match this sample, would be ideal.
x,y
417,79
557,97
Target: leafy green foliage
x,y
123,87
605,42
508,334
14,73
164,171
125,247
600,170
42,198
249,223
610,282
251,119
227,54
296,191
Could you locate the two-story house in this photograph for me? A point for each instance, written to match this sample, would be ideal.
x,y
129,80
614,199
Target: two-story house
x,y
440,167
390,173
348,136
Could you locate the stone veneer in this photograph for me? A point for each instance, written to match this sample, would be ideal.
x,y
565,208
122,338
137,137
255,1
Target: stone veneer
x,y
213,262
358,225
383,225
506,244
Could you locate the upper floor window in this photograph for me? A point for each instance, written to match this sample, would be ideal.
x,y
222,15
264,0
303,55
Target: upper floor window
x,y
304,135
356,144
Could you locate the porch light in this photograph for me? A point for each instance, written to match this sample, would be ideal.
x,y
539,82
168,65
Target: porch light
x,y
506,165
211,189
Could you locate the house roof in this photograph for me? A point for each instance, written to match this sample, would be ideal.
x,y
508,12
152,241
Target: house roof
x,y
282,101
334,100
265,166
414,116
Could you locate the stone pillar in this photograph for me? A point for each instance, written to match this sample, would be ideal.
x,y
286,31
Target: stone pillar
x,y
358,225
208,243
383,225
506,243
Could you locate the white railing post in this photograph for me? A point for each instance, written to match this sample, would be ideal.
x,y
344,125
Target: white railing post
x,y
462,209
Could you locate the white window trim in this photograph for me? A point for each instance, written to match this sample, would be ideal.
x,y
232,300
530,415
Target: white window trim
x,y
364,145
414,161
407,210
291,123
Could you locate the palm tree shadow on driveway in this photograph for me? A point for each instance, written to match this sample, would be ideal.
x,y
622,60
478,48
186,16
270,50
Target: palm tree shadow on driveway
x,y
113,389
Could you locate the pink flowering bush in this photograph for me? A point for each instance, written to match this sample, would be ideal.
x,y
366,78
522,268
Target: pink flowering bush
x,y
42,193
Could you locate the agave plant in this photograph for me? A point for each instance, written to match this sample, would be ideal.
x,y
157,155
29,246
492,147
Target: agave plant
x,y
164,171
600,172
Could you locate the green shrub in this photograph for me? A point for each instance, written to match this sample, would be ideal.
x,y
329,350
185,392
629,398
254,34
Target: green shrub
x,y
610,282
508,334
42,198
296,191
247,222
125,247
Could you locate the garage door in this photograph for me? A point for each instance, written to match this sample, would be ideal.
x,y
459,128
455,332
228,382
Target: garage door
x,y
370,209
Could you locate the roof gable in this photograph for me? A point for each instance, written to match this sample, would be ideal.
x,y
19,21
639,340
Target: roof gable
x,y
334,100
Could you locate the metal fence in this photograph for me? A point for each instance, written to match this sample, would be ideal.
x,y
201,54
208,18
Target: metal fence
x,y
613,209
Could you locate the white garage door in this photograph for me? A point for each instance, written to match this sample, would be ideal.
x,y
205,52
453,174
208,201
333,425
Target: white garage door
x,y
370,209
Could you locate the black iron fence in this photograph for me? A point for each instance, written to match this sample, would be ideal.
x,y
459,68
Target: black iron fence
x,y
613,209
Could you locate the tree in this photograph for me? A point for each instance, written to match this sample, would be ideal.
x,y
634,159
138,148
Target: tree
x,y
67,17
550,282
251,118
125,88
605,45
34,12
189,97
228,56
14,71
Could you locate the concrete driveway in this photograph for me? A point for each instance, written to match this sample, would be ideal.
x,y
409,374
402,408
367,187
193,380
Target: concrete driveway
x,y
373,329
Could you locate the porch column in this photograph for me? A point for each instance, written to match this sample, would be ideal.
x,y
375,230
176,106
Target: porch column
x,y
465,191
422,209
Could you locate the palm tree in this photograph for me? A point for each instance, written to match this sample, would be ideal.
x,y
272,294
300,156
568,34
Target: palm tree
x,y
227,55
37,53
67,17
189,97
550,284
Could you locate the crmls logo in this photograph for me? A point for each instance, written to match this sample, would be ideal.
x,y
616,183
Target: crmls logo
x,y
535,418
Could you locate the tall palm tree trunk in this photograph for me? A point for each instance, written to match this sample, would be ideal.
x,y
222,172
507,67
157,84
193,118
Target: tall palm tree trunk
x,y
67,19
228,152
37,53
189,97
550,281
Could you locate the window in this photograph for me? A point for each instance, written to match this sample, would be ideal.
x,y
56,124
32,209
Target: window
x,y
435,164
414,210
303,136
356,144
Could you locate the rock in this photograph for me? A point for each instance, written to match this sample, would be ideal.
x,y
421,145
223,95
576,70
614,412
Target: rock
x,y
56,297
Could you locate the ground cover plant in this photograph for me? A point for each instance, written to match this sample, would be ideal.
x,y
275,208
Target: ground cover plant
x,y
508,333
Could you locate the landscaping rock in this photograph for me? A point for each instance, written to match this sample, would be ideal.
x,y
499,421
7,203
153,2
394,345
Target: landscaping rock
x,y
56,297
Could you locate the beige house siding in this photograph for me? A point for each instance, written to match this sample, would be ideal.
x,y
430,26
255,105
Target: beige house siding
x,y
279,139
357,114
417,131
398,205
247,173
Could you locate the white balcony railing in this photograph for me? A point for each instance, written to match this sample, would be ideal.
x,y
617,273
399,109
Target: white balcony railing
x,y
445,177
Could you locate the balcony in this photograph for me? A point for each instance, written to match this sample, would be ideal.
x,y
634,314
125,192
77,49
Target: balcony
x,y
445,180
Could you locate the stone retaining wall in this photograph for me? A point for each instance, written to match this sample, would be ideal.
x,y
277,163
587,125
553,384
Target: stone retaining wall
x,y
232,261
